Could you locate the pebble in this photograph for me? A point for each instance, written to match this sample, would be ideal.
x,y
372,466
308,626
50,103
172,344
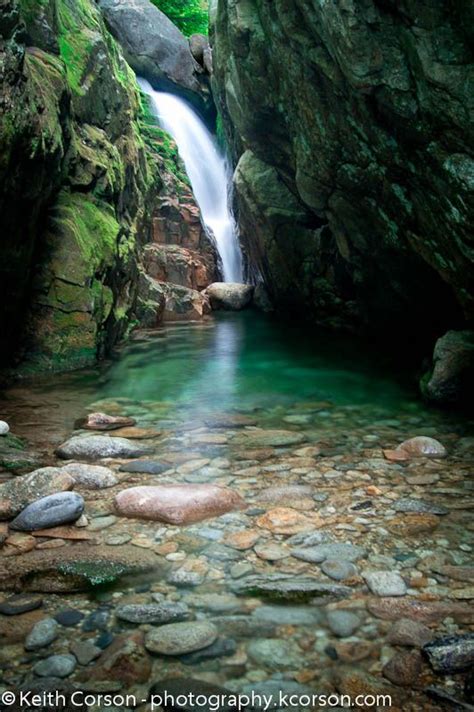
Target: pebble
x,y
409,633
222,647
274,653
22,603
343,623
180,638
118,539
318,554
149,467
97,524
42,634
4,427
385,583
156,613
69,618
338,570
404,668
84,651
56,666
419,506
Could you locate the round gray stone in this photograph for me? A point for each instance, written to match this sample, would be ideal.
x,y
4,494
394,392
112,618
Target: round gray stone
x,y
343,623
51,511
42,634
180,638
56,666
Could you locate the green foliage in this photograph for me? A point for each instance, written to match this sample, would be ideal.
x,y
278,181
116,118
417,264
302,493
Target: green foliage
x,y
190,16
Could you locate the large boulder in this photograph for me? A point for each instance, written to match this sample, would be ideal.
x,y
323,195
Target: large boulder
x,y
230,296
153,46
451,379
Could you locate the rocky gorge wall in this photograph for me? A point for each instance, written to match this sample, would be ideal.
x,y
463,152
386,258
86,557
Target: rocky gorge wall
x,y
84,178
351,126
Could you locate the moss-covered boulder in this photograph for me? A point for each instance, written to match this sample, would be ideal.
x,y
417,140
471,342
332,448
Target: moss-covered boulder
x,y
77,183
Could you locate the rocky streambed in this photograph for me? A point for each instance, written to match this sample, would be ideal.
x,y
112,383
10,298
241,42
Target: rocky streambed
x,y
246,538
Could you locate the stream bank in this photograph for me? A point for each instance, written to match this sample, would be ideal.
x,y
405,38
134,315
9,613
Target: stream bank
x,y
338,564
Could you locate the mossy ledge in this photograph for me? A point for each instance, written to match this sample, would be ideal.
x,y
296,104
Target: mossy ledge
x,y
80,167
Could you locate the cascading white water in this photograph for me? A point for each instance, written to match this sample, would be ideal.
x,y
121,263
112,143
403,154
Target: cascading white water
x,y
207,171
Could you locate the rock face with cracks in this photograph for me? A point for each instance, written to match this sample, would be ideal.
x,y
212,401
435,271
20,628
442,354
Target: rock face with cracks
x,y
350,125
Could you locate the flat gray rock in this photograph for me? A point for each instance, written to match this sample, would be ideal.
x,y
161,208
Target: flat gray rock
x,y
92,447
56,666
421,506
42,634
181,638
48,512
319,553
90,476
343,623
165,612
385,583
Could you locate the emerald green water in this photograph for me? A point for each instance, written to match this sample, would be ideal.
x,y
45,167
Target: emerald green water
x,y
248,359
234,361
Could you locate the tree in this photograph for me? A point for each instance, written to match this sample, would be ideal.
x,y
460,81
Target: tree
x,y
190,16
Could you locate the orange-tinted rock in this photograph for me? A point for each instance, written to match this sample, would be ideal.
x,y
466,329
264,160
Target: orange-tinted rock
x,y
391,609
102,421
422,446
283,520
136,433
242,540
177,504
412,524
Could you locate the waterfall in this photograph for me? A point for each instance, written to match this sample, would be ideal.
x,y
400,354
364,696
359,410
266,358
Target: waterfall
x,y
207,170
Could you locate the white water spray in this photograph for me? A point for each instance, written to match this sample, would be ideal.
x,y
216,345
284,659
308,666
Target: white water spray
x,y
207,171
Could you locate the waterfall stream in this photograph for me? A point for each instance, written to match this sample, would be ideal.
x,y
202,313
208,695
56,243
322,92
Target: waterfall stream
x,y
207,170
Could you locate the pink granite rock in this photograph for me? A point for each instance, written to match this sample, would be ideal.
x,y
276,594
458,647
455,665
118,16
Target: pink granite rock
x,y
177,504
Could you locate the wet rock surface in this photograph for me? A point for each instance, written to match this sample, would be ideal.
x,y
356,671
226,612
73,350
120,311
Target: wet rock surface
x,y
345,571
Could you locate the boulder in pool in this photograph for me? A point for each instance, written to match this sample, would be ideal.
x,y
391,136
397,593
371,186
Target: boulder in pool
x,y
177,504
230,296
51,511
92,447
422,446
102,421
18,493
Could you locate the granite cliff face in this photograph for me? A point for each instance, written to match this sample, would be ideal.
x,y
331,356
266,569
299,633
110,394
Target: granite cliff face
x,y
83,176
351,126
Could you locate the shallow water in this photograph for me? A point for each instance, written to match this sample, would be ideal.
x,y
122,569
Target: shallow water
x,y
346,404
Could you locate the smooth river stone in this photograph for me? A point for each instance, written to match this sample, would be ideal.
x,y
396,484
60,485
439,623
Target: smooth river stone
x,y
231,296
51,511
181,638
148,467
152,612
413,505
42,634
385,583
92,447
102,421
334,551
267,438
90,476
177,504
422,446
18,493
